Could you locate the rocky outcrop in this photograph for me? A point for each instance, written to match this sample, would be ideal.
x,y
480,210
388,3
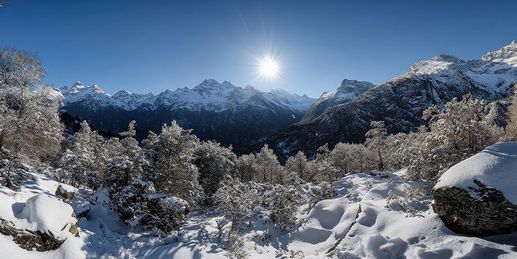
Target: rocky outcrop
x,y
490,214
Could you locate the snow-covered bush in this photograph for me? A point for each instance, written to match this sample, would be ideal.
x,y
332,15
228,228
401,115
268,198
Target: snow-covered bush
x,y
236,200
236,247
320,191
284,205
138,204
213,162
12,170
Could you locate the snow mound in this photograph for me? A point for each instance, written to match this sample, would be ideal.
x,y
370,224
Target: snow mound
x,y
386,231
326,223
496,167
48,214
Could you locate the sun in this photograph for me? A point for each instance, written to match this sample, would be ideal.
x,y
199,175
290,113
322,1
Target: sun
x,y
268,67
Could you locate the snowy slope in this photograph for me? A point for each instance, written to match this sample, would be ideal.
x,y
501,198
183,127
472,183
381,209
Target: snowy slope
x,y
376,215
209,95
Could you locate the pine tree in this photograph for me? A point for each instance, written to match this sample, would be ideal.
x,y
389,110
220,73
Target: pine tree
x,y
127,160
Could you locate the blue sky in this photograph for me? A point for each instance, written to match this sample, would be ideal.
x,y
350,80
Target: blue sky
x,y
150,46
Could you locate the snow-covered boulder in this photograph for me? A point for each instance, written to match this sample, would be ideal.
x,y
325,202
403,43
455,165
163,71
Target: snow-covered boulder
x,y
478,196
50,215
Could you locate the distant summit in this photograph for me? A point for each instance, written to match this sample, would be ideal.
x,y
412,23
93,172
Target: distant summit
x,y
347,92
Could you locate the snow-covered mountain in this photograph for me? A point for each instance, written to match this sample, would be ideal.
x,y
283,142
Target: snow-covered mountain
x,y
400,101
210,95
221,111
348,91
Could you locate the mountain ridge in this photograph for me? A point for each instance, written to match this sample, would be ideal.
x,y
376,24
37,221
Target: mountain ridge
x,y
222,112
400,101
208,95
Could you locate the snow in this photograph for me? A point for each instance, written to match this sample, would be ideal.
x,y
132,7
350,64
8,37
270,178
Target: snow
x,y
494,72
495,167
361,222
48,214
34,207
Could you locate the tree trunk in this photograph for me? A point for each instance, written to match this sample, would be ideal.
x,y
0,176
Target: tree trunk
x,y
381,164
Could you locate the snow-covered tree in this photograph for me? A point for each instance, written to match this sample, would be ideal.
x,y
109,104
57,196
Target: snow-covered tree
x,y
172,163
455,134
375,139
300,166
129,161
28,117
84,161
236,200
267,168
244,169
213,162
341,157
321,167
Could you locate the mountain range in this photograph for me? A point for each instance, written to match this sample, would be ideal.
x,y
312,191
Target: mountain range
x,y
230,114
399,102
248,118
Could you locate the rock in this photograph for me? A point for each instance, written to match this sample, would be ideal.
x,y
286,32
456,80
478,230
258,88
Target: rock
x,y
65,192
478,196
74,230
491,215
30,240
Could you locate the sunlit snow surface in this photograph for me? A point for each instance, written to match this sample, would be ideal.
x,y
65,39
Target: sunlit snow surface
x,y
326,230
496,167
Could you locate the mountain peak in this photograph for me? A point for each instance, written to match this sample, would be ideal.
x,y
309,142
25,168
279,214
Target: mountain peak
x,y
348,85
207,83
506,54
